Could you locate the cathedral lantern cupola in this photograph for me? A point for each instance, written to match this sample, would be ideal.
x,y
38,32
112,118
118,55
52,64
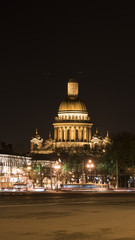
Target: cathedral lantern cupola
x,y
72,88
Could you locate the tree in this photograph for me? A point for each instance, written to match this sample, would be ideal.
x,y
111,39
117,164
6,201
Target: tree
x,y
39,172
65,173
119,157
72,160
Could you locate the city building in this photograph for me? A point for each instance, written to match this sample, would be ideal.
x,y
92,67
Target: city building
x,y
13,169
72,128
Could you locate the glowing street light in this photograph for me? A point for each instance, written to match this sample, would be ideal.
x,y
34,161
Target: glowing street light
x,y
28,170
18,173
90,166
89,161
57,167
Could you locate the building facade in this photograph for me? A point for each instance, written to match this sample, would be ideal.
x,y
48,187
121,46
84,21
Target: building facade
x,y
13,169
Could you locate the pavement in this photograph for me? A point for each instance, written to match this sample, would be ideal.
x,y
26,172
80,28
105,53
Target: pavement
x,y
67,215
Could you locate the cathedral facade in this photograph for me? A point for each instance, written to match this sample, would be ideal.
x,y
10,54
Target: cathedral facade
x,y
72,126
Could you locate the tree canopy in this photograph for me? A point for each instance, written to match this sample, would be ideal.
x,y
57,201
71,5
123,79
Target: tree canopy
x,y
121,150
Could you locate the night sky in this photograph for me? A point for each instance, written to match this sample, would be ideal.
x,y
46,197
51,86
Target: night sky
x,y
41,48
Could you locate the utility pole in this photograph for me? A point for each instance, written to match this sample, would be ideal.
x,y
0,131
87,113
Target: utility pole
x,y
57,178
51,175
82,171
117,173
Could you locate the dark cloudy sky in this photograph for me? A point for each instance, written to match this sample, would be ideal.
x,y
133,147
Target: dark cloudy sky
x,y
41,47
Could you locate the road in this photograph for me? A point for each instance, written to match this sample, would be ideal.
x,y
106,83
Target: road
x,y
64,216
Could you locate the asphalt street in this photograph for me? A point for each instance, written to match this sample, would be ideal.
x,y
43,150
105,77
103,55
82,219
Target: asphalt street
x,y
63,216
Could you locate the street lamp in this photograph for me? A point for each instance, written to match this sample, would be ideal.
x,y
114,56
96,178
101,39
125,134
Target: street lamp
x,y
89,166
18,173
57,167
28,170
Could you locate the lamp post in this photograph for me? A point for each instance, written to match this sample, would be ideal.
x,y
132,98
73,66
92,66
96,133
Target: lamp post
x,y
51,174
117,174
57,167
1,166
18,173
89,166
82,172
28,170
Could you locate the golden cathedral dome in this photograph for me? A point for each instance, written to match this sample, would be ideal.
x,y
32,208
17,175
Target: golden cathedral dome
x,y
72,104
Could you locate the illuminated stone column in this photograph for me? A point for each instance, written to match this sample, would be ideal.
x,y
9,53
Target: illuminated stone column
x,y
72,133
62,135
65,133
55,134
82,130
84,134
79,134
89,134
59,134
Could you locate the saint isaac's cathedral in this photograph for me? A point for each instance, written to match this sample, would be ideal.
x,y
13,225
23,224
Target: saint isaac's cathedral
x,y
72,126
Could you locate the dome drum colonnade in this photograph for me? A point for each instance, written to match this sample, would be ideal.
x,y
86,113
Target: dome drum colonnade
x,y
73,133
72,123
